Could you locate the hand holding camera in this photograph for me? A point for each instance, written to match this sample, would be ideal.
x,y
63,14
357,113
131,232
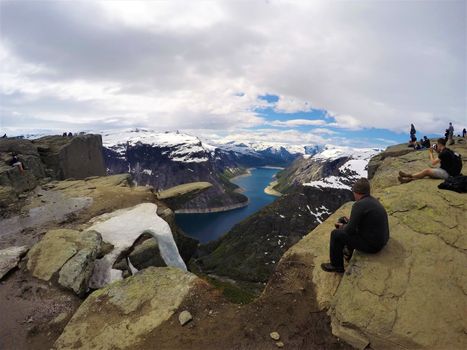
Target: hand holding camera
x,y
343,220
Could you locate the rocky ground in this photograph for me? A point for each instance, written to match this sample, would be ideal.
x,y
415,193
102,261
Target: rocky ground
x,y
411,295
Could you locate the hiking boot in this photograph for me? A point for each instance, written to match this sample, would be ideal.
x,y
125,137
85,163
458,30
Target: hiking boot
x,y
404,180
328,267
402,174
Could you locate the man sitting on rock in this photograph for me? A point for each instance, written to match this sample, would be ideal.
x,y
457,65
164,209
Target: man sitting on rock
x,y
450,164
367,229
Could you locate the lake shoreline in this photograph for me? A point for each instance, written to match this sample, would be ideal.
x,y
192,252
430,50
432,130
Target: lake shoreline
x,y
213,210
271,191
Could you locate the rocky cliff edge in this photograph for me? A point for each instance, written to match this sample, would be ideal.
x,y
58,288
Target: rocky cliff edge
x,y
413,294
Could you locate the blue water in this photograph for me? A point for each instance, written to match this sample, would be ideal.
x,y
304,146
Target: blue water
x,y
210,226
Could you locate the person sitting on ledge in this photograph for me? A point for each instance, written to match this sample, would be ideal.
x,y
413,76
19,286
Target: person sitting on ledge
x,y
449,164
17,163
367,230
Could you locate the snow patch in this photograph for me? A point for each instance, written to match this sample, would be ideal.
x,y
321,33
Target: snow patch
x,y
121,228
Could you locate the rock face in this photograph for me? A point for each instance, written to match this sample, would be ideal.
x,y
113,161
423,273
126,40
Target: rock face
x,y
128,310
9,258
69,253
75,157
413,293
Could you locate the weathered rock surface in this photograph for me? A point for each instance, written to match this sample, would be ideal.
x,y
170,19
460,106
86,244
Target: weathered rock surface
x,y
176,196
413,293
75,157
123,313
69,253
9,258
147,254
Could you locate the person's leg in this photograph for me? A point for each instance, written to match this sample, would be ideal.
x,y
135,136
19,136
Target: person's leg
x,y
339,239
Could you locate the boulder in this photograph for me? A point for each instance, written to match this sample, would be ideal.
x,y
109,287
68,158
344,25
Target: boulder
x,y
75,157
67,253
7,196
123,313
9,258
147,254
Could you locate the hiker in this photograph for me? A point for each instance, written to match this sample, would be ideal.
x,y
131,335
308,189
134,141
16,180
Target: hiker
x,y
4,136
16,162
450,134
367,230
450,164
426,142
464,133
413,138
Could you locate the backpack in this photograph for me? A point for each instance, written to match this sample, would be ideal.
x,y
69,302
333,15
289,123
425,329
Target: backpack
x,y
455,183
457,166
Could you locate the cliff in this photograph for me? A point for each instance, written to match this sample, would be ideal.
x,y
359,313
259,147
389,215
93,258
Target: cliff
x,y
51,157
413,293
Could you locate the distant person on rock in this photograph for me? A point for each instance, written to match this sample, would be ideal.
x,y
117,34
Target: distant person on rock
x,y
17,163
413,138
4,136
70,134
426,142
464,133
367,230
450,164
450,134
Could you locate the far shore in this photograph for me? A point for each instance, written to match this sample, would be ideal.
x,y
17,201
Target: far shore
x,y
213,210
271,191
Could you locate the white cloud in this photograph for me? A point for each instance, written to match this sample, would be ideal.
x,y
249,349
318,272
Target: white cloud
x,y
202,65
297,122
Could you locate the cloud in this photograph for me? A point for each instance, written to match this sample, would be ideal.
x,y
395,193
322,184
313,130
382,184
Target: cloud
x,y
297,122
200,65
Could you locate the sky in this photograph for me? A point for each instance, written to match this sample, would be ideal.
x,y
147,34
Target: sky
x,y
300,72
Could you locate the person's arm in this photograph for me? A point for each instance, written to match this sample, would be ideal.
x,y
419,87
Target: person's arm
x,y
434,161
355,217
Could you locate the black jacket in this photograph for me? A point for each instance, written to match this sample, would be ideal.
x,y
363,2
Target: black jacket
x,y
369,220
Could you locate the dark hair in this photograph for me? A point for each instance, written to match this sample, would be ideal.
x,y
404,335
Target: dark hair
x,y
361,186
442,141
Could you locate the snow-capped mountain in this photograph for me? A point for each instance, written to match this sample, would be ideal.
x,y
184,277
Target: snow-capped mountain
x,y
333,167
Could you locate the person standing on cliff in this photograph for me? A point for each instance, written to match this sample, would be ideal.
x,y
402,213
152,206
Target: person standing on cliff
x,y
451,134
367,230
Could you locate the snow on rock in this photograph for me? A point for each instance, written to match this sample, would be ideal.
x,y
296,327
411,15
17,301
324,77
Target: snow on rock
x,y
180,147
354,168
121,228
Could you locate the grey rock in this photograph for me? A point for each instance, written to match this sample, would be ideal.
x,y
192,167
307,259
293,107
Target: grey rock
x,y
185,317
147,254
9,258
77,271
275,336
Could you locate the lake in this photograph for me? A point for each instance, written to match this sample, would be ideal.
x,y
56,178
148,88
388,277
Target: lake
x,y
210,226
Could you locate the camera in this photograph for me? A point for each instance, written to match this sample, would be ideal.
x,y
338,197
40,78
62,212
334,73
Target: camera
x,y
434,146
342,220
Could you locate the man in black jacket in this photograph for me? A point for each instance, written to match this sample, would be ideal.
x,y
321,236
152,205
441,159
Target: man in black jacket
x,y
367,230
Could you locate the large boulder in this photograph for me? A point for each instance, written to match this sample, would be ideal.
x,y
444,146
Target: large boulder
x,y
122,314
75,157
66,254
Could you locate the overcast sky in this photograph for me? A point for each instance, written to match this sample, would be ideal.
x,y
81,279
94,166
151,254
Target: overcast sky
x,y
304,71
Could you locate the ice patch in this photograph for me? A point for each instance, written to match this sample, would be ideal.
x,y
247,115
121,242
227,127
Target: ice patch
x,y
121,228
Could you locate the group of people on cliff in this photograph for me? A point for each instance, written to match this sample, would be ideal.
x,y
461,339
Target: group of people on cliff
x,y
367,229
424,143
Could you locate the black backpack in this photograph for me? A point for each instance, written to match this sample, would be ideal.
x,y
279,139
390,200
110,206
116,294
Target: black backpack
x,y
457,166
455,183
